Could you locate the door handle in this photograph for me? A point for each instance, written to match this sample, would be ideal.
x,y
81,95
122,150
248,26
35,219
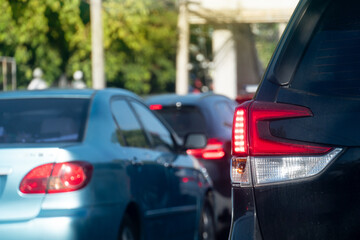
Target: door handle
x,y
135,161
165,162
168,165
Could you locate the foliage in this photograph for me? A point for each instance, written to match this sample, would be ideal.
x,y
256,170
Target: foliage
x,y
140,46
201,54
40,33
138,27
266,39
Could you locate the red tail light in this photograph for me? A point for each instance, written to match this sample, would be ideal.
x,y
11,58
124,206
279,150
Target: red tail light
x,y
36,180
251,130
213,150
155,107
261,158
57,178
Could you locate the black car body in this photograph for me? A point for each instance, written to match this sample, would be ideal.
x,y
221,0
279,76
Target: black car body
x,y
296,154
211,114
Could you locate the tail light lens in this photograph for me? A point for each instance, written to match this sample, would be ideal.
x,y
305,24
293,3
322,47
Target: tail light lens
x,y
214,150
272,159
37,179
155,107
57,178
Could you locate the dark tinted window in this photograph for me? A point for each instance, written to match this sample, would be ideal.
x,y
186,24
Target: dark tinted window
x,y
331,63
160,135
42,120
131,133
184,120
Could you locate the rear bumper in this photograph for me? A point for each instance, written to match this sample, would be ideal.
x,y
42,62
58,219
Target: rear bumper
x,y
83,223
244,222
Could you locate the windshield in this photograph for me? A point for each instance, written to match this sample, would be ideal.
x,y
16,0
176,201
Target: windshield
x,y
184,120
42,120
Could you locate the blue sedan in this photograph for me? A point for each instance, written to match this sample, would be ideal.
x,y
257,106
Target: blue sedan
x,y
87,164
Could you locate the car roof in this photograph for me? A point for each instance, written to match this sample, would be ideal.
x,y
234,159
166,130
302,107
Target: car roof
x,y
172,99
71,93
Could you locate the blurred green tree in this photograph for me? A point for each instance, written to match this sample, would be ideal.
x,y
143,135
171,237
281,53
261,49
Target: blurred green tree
x,y
140,44
266,38
45,34
139,40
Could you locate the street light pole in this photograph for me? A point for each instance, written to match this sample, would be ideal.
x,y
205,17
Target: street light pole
x,y
182,56
97,49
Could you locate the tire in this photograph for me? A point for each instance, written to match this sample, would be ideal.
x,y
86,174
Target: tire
x,y
207,223
128,230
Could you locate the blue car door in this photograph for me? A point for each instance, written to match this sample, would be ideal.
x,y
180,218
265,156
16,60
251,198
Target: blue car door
x,y
148,179
182,178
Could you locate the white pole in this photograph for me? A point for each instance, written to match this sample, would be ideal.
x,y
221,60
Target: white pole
x,y
13,74
182,56
4,69
225,72
97,47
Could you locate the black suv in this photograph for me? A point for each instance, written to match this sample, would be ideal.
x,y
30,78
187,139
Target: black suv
x,y
296,147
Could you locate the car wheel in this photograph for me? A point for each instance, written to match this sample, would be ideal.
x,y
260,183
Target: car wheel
x,y
128,230
207,226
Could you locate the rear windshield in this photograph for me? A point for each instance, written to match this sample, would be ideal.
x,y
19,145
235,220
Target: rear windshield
x,y
331,63
42,120
184,120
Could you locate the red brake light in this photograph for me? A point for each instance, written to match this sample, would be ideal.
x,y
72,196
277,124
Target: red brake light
x,y
56,178
69,176
240,130
213,150
155,107
251,130
36,180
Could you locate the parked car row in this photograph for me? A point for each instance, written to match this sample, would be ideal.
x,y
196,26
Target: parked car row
x,y
87,164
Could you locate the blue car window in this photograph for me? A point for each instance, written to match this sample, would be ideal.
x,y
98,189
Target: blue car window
x,y
160,135
130,128
41,120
